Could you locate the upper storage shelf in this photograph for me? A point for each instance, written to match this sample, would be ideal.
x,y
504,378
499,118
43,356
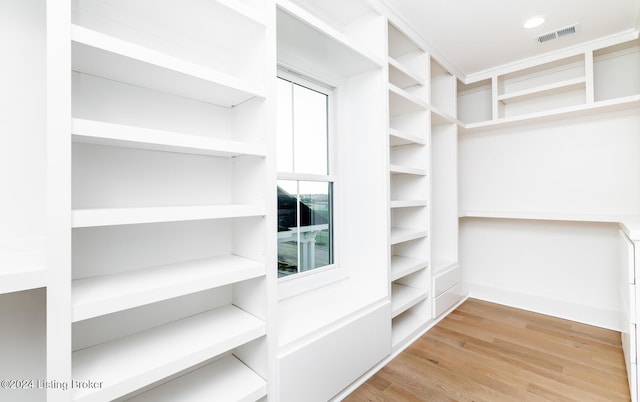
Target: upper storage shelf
x,y
597,80
317,48
544,90
560,83
209,58
541,77
408,63
354,19
104,56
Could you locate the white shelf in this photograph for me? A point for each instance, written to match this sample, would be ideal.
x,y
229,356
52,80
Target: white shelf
x,y
407,203
23,264
408,325
130,363
310,44
400,235
550,216
106,294
81,218
105,56
629,102
438,117
400,76
25,279
404,297
402,266
226,379
397,169
117,135
398,137
544,90
401,102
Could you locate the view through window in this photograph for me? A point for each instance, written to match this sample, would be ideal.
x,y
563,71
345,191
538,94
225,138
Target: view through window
x,y
305,183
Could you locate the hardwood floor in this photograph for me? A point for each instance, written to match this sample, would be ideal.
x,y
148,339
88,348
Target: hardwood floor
x,y
489,352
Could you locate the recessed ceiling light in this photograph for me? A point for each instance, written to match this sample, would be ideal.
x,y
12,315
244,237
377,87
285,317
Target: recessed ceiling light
x,y
534,22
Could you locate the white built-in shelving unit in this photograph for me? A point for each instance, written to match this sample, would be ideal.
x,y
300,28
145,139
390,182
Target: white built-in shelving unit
x,y
444,188
409,171
169,170
583,83
142,232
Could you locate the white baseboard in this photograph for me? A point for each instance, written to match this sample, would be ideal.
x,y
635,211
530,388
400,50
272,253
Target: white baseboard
x,y
590,315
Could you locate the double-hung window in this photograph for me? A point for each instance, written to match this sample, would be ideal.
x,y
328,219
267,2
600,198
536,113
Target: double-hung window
x,y
305,178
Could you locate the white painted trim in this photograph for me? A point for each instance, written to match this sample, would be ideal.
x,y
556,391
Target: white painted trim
x,y
589,315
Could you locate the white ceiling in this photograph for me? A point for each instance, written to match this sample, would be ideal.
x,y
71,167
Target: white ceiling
x,y
478,35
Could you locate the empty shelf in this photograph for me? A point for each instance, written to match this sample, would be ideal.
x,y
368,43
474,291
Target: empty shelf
x,y
130,363
407,203
106,294
105,56
403,266
400,76
399,137
399,235
226,379
101,133
401,102
404,297
126,216
398,169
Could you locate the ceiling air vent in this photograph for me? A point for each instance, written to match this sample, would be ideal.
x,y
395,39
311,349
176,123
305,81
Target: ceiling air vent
x,y
566,31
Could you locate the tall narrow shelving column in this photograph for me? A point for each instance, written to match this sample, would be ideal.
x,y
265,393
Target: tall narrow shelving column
x,y
447,287
409,185
170,174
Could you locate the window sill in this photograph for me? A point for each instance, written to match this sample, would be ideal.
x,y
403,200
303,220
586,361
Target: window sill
x,y
297,284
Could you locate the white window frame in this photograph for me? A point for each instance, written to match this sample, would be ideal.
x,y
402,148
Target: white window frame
x,y
302,282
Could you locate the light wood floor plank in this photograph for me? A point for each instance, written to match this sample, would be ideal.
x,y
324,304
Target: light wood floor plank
x,y
488,352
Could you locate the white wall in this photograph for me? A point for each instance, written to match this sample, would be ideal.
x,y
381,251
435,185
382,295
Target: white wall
x,y
584,165
565,269
588,165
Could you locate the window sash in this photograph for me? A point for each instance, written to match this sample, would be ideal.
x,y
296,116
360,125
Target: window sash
x,y
329,177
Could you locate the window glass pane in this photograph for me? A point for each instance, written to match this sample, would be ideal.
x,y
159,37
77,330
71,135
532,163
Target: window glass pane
x,y
287,227
315,220
310,131
284,126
